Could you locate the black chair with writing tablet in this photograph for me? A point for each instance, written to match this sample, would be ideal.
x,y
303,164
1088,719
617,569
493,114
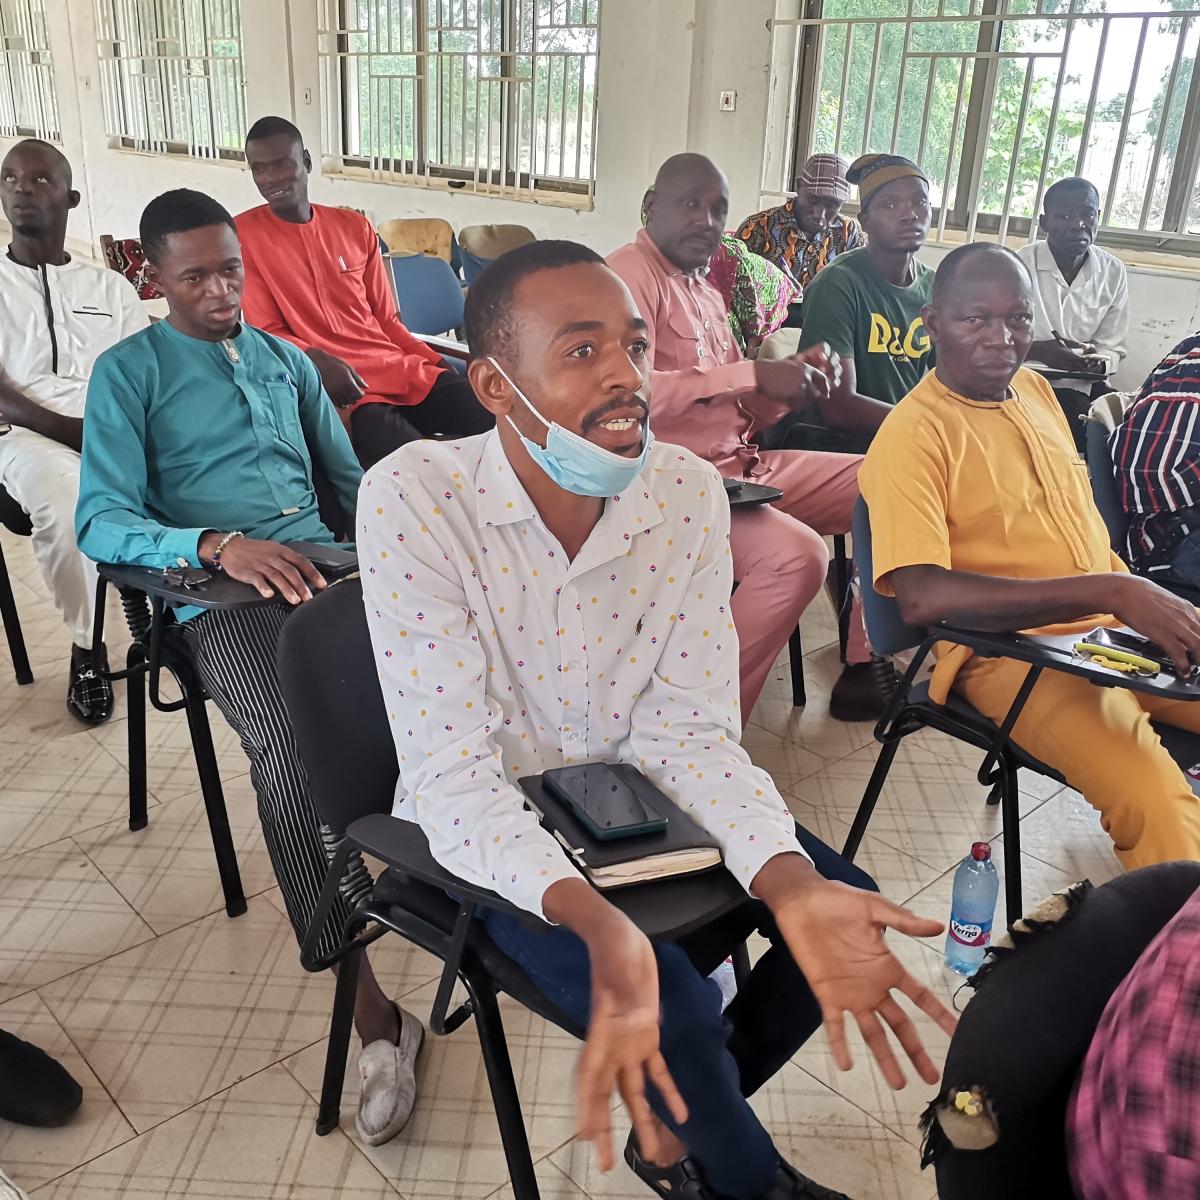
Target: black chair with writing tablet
x,y
328,676
148,596
910,709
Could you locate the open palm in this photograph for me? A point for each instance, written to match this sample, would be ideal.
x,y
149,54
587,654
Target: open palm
x,y
836,934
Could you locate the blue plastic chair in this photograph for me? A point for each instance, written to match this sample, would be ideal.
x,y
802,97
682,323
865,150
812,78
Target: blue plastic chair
x,y
1104,484
428,294
473,265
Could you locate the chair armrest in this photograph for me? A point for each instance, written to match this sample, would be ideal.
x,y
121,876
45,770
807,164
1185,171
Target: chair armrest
x,y
663,911
447,347
219,592
403,845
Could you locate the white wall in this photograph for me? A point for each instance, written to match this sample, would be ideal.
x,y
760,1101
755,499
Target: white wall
x,y
662,66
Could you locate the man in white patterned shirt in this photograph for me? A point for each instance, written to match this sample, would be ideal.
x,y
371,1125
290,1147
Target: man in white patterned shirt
x,y
557,591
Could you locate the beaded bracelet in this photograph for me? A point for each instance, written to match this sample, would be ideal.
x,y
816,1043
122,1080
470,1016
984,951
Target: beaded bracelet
x,y
216,554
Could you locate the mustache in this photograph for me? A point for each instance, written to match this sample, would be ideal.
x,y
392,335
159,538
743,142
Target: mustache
x,y
633,400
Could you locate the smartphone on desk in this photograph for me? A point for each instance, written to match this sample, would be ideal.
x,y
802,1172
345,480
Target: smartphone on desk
x,y
603,803
334,562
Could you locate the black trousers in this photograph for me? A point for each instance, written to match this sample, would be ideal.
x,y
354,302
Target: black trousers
x,y
449,411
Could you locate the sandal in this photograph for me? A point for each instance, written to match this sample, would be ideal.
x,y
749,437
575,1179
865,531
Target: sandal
x,y
683,1181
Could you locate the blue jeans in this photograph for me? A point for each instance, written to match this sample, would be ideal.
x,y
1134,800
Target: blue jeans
x,y
716,1059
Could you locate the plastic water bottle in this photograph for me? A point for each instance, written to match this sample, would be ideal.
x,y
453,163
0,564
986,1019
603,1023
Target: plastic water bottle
x,y
976,886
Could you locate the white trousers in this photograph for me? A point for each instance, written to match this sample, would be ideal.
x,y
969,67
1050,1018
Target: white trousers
x,y
42,476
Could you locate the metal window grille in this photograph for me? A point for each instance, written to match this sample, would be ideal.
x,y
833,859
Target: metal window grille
x,y
28,105
171,75
493,96
996,99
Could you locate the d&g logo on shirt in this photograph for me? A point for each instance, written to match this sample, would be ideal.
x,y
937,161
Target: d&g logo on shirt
x,y
885,338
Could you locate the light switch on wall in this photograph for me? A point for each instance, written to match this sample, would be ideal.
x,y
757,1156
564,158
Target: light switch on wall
x,y
728,101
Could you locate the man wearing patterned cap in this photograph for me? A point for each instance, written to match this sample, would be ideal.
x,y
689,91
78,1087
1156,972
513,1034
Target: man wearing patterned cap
x,y
867,305
808,232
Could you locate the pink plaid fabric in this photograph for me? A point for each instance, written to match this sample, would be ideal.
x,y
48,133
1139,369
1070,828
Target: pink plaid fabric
x,y
1133,1123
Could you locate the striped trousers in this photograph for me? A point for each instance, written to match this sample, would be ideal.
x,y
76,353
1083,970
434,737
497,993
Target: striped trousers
x,y
234,655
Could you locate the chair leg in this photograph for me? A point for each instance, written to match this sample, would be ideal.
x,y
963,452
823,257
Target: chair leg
x,y
135,732
504,1094
1010,814
841,587
870,798
341,1023
214,803
796,662
12,627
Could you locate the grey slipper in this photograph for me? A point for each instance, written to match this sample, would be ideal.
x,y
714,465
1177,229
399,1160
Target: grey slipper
x,y
9,1190
389,1082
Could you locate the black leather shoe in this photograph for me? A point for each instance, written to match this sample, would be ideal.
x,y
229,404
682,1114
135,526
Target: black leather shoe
x,y
856,695
89,698
791,1185
34,1089
683,1181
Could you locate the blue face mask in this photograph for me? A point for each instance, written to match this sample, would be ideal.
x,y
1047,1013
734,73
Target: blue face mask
x,y
573,462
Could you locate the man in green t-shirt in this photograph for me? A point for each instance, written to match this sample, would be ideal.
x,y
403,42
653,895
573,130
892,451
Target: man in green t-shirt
x,y
867,304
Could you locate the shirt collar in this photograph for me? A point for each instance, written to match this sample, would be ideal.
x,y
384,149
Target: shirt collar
x,y
947,394
499,497
502,500
1046,262
646,243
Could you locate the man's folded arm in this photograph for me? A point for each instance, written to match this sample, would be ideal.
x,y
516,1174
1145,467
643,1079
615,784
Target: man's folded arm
x,y
433,673
685,728
110,521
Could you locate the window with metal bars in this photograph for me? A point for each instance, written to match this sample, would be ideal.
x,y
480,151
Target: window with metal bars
x,y
171,76
28,105
495,96
996,100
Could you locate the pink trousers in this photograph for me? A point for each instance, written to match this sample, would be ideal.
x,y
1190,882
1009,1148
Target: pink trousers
x,y
780,558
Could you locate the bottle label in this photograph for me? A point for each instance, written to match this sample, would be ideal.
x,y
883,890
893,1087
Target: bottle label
x,y
971,933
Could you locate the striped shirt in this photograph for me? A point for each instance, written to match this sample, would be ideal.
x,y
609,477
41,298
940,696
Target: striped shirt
x,y
1156,449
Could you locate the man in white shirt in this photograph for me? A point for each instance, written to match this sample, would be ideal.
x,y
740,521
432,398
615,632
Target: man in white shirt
x,y
1080,298
555,592
57,316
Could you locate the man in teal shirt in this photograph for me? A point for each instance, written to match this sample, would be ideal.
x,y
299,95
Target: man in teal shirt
x,y
200,443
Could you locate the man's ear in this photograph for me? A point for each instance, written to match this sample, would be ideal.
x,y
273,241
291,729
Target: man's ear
x,y
648,201
491,388
307,162
151,273
73,198
1042,223
929,315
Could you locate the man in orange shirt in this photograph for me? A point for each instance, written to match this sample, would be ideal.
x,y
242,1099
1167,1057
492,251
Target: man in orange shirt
x,y
314,275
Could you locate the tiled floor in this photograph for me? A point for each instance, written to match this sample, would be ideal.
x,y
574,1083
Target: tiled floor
x,y
198,1040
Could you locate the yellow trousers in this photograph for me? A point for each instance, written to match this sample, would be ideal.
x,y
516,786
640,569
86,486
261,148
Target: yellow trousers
x,y
1101,741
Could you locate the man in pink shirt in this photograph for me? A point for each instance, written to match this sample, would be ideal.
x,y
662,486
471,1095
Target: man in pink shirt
x,y
707,397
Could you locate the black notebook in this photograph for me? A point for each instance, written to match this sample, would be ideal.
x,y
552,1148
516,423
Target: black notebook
x,y
683,848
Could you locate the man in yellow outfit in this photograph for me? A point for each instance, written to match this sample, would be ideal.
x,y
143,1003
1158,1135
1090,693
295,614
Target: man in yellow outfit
x,y
982,516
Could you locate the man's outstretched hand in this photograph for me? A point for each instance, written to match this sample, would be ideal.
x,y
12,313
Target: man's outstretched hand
x,y
836,935
622,1047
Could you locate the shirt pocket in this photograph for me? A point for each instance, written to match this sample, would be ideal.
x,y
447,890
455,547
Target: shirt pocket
x,y
285,413
687,348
